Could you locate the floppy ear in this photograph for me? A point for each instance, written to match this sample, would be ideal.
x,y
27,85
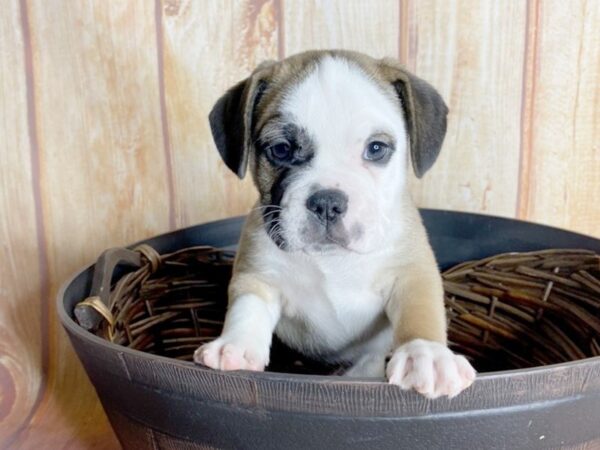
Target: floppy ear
x,y
231,121
425,113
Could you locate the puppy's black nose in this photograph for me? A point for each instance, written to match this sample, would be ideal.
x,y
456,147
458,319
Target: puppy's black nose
x,y
328,205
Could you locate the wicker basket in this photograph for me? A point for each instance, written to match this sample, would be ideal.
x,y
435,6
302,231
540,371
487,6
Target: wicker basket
x,y
508,311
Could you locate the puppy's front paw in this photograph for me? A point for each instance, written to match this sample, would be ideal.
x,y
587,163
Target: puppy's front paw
x,y
232,354
429,368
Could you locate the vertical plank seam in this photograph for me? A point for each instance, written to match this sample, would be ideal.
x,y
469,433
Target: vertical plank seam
x,y
279,11
530,70
578,83
160,53
44,273
403,35
411,37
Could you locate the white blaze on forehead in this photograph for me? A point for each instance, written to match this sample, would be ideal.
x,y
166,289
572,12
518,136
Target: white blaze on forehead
x,y
341,106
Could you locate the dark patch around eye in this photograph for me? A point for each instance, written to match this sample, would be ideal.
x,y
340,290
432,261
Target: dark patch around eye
x,y
274,176
272,212
280,152
276,133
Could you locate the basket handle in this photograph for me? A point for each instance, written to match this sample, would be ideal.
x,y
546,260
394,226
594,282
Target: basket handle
x,y
90,312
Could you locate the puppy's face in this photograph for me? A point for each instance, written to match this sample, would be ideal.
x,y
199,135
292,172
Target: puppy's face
x,y
326,136
330,160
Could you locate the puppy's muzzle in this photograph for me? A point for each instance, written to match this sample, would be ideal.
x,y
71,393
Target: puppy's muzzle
x,y
328,205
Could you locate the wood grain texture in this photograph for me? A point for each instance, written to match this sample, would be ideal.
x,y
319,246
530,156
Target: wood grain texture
x,y
20,302
529,80
370,27
102,172
208,47
472,52
104,140
563,174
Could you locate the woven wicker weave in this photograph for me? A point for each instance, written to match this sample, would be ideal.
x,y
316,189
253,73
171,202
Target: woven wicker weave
x,y
507,311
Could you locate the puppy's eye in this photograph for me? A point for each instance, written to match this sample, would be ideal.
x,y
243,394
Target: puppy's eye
x,y
377,151
281,152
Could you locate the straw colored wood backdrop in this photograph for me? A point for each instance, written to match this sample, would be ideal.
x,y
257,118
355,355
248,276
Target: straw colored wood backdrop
x,y
104,141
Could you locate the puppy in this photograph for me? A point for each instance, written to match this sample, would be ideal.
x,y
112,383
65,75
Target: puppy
x,y
334,258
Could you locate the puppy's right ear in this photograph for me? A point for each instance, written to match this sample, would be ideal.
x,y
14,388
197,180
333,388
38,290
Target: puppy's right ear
x,y
231,120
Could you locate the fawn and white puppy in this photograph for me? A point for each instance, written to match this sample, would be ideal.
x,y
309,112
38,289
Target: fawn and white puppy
x,y
334,258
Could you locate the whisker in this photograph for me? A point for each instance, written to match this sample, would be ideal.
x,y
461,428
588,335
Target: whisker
x,y
273,220
256,208
275,232
265,215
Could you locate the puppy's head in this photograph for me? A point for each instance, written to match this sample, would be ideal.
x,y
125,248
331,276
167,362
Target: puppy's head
x,y
326,135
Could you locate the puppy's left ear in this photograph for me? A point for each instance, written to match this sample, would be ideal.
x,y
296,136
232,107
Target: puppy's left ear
x,y
425,113
232,116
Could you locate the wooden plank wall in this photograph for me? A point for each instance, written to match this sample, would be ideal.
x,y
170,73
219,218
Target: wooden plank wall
x,y
104,141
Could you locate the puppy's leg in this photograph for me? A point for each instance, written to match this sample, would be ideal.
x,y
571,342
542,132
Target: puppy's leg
x,y
369,366
245,341
422,361
369,357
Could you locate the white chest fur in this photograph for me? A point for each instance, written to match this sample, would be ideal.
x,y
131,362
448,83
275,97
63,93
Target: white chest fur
x,y
330,304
